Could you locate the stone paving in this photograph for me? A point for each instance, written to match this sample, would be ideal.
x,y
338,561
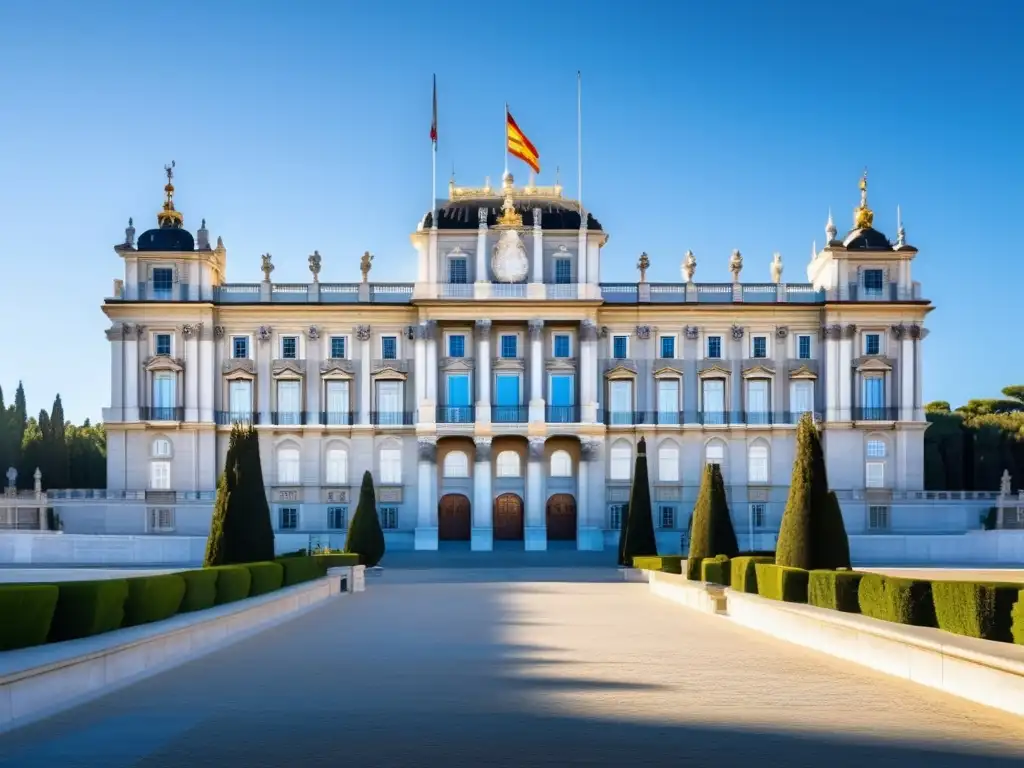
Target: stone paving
x,y
520,667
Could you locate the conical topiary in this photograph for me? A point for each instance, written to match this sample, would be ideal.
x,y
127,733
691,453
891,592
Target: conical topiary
x,y
832,545
724,533
808,496
640,540
365,536
623,525
216,545
249,507
702,521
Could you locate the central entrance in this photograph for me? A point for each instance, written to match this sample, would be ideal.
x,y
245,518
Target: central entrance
x,y
561,517
453,518
508,518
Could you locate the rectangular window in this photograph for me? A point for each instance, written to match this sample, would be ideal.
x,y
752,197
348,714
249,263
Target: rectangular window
x,y
457,271
458,396
389,402
561,344
506,389
389,347
163,282
668,401
878,518
872,344
288,518
801,397
388,517
456,345
240,347
873,393
163,390
874,474
160,475
615,516
391,466
668,347
509,345
757,397
562,390
337,518
289,347
563,271
715,347
338,351
163,344
666,517
803,347
874,282
620,464
713,401
336,466
240,400
620,347
620,402
289,402
161,519
759,346
338,403
668,465
757,465
757,510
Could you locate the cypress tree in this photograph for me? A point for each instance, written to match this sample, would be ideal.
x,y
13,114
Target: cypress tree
x,y
832,550
640,540
20,413
6,452
724,532
58,448
248,510
216,543
623,525
365,536
799,534
702,521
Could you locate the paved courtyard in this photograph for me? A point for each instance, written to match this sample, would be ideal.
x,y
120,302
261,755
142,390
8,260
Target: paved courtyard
x,y
542,666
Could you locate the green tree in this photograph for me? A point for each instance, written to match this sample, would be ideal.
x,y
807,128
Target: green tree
x,y
797,545
216,543
711,529
640,540
254,532
937,406
57,448
725,533
30,454
365,536
1015,392
832,545
623,526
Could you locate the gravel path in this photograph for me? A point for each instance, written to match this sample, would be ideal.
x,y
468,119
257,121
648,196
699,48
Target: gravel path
x,y
523,667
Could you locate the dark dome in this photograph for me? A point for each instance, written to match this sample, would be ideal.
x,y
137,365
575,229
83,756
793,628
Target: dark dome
x,y
866,239
463,214
166,239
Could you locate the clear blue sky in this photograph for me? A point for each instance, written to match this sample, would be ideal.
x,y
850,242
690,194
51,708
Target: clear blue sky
x,y
708,126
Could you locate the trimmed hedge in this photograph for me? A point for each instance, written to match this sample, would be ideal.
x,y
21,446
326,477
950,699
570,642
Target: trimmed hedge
x,y
1017,629
200,589
338,559
976,609
716,570
693,568
744,574
902,601
266,577
664,563
781,582
298,569
152,598
86,608
27,611
837,590
233,583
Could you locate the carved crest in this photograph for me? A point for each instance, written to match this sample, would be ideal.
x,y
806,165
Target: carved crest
x,y
508,259
737,332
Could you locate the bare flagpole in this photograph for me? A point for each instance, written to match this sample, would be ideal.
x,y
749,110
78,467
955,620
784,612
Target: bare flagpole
x,y
579,139
506,143
433,160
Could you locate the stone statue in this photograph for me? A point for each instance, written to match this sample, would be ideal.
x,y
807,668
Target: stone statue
x,y
508,258
12,477
736,264
314,266
1004,484
643,264
777,268
129,234
689,266
365,265
267,266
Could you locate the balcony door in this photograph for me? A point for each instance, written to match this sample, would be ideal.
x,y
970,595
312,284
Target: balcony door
x,y
713,401
240,400
458,409
338,402
620,402
507,398
289,402
389,402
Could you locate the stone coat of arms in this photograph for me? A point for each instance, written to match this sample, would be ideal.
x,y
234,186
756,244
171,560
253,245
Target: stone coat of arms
x,y
508,260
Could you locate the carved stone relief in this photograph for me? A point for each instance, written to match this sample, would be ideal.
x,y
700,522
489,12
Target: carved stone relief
x,y
483,448
692,332
643,332
363,332
737,332
426,448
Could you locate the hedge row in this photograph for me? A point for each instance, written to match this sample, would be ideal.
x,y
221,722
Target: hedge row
x,y
664,563
33,614
716,570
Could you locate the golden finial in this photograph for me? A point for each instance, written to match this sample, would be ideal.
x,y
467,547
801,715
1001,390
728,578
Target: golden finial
x,y
168,217
862,215
510,217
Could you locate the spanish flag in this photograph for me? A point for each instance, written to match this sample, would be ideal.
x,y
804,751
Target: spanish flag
x,y
519,145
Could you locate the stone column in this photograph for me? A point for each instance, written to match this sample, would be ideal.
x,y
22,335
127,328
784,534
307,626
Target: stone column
x,y
131,370
582,261
115,335
538,248
365,361
588,371
831,335
535,534
588,522
430,331
426,510
537,370
207,374
420,368
432,260
483,370
264,353
918,334
190,335
483,500
314,387
780,384
481,246
846,395
736,353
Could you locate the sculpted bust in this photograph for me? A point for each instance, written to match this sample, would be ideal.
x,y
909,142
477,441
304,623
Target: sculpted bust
x,y
508,261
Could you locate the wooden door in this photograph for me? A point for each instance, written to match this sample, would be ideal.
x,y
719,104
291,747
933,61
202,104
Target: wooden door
x,y
561,517
508,518
454,518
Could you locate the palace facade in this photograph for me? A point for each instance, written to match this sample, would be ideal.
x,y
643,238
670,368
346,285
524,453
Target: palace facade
x,y
501,396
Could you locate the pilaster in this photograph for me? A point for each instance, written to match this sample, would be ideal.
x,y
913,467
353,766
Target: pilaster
x,y
430,331
831,335
846,395
264,354
190,334
582,266
736,378
780,383
588,372
132,371
535,533
365,361
314,389
208,375
115,334
481,246
426,511
538,248
482,538
536,330
483,368
420,367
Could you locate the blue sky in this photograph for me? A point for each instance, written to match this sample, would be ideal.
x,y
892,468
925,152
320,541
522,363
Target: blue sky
x,y
711,126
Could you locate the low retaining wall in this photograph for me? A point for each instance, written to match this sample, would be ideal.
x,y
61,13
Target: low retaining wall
x,y
37,682
709,598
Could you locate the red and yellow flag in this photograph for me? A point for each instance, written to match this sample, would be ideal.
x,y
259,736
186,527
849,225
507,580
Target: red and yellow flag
x,y
519,145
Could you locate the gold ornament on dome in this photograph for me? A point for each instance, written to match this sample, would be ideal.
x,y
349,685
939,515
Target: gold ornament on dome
x,y
168,217
863,217
510,217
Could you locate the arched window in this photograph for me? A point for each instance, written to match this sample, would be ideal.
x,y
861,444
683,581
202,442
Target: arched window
x,y
288,465
874,466
561,464
668,463
391,465
456,464
620,464
337,466
714,453
161,448
757,463
508,464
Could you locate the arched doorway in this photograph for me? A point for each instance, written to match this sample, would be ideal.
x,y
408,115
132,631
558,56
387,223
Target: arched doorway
x,y
454,518
508,518
561,517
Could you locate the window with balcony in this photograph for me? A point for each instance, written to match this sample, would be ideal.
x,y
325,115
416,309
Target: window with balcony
x,y
391,466
239,347
506,389
288,518
458,409
508,464
389,402
801,397
562,388
163,344
339,403
757,464
872,343
561,464
289,347
240,400
563,271
456,464
457,270
160,475
339,348
668,464
163,282
288,465
667,347
456,345
509,345
874,283
337,518
666,516
289,401
713,401
668,401
620,461
873,397
758,401
620,347
336,466
164,395
714,347
562,345
389,347
620,401
803,347
759,346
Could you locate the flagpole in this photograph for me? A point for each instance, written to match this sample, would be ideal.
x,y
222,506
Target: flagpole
x,y
579,139
433,159
506,143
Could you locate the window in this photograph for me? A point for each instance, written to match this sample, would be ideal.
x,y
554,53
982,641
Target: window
x,y
803,347
714,453
874,280
506,389
620,347
872,344
620,401
668,347
714,347
562,389
713,401
509,344
161,519
389,402
163,390
388,517
878,518
163,282
876,449
456,464
457,345
561,464
289,402
561,345
666,516
389,347
563,271
801,397
621,462
457,270
288,518
239,347
161,447
337,466
337,518
338,350
160,475
458,409
668,464
508,464
874,474
759,346
289,347
668,401
287,465
391,466
240,400
615,516
757,464
163,344
338,402
757,401
873,396
757,510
